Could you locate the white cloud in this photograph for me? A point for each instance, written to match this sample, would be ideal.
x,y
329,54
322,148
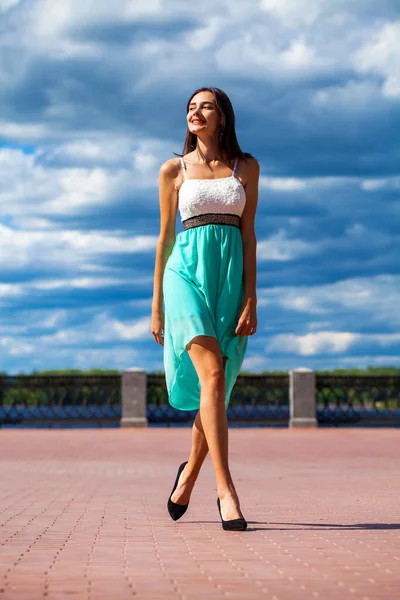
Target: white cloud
x,y
299,55
102,327
371,359
296,184
65,249
280,248
313,343
98,151
9,292
319,324
256,363
7,4
52,18
282,183
262,56
82,188
334,342
355,230
293,13
75,283
76,346
36,186
382,56
204,37
57,30
16,347
23,131
376,298
388,183
138,329
349,97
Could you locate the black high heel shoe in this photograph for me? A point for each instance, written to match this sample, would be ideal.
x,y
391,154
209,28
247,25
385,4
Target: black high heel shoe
x,y
177,510
233,524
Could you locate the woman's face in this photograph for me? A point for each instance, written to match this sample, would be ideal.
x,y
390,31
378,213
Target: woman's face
x,y
203,115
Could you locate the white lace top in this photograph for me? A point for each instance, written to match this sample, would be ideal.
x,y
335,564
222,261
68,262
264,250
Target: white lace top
x,y
199,196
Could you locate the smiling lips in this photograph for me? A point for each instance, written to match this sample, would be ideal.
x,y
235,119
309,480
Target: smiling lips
x,y
197,121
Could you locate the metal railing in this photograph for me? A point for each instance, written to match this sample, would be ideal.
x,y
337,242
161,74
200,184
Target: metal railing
x,y
60,399
261,399
300,398
363,399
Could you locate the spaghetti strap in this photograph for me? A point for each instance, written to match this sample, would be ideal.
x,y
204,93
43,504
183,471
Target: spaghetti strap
x,y
234,167
183,167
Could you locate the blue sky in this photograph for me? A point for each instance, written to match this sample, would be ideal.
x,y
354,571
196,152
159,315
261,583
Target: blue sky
x,y
92,102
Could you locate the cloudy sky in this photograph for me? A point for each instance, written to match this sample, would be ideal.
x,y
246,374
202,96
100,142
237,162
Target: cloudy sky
x,y
92,102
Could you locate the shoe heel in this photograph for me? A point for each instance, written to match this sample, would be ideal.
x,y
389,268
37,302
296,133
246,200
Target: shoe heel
x,y
177,510
232,524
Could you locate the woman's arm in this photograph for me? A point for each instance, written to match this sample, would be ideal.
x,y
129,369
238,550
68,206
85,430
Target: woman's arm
x,y
168,208
248,320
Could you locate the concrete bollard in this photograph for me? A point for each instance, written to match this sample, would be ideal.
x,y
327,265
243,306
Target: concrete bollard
x,y
302,398
134,398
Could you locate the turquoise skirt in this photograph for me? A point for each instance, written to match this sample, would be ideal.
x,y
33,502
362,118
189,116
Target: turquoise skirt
x,y
203,294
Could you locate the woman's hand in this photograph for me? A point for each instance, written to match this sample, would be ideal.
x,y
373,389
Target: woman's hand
x,y
157,325
247,323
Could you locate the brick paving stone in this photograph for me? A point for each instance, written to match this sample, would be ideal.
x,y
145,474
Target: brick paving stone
x,y
83,515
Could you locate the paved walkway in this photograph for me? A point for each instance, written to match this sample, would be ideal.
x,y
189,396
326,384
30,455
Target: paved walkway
x,y
84,516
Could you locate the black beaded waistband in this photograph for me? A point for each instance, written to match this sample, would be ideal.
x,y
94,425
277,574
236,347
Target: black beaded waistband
x,y
211,218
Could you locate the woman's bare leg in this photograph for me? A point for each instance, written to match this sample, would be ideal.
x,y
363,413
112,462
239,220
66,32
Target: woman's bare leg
x,y
198,453
206,357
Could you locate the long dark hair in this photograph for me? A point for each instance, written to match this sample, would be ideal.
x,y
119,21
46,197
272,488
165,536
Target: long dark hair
x,y
228,144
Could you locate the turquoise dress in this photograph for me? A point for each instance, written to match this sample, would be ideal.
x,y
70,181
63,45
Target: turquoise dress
x,y
203,284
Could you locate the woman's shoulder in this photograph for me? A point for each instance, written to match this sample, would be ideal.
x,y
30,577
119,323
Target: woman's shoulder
x,y
171,166
252,165
249,159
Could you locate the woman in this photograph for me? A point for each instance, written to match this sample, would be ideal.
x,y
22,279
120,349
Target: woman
x,y
207,278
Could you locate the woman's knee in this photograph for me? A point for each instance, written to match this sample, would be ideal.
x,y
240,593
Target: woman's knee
x,y
214,378
206,356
